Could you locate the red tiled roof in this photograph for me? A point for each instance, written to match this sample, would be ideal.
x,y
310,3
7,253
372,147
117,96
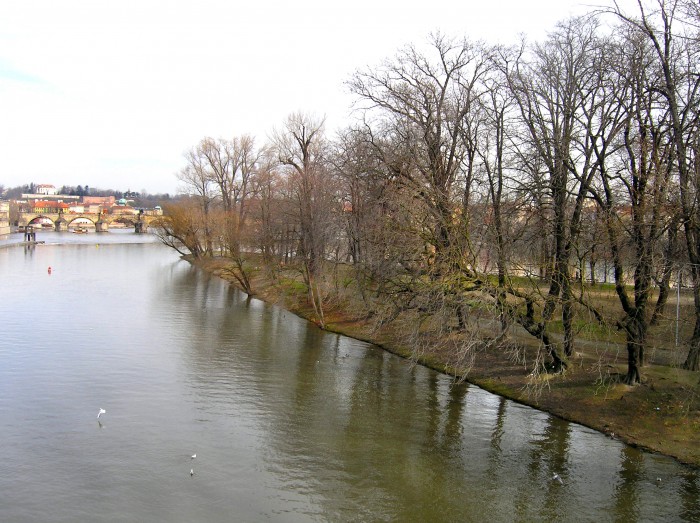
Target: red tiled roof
x,y
49,205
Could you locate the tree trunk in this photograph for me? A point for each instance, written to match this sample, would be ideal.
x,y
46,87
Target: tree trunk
x,y
692,361
539,330
636,334
567,316
633,376
664,284
664,290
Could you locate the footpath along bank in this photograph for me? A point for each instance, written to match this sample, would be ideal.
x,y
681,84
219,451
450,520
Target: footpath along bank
x,y
662,414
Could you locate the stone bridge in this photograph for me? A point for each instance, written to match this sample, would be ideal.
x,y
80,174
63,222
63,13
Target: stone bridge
x,y
61,221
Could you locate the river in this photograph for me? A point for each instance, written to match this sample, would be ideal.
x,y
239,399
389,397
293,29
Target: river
x,y
288,423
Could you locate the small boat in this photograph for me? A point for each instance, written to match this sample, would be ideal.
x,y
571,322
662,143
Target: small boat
x,y
80,230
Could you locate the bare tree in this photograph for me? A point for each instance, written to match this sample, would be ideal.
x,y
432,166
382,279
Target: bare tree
x,y
546,87
628,136
182,227
676,49
302,148
230,166
216,157
496,159
268,212
421,109
197,184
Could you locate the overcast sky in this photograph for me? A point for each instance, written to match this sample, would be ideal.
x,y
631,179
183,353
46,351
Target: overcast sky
x,y
111,94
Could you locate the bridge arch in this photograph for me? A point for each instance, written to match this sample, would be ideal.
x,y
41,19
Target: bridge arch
x,y
125,220
70,219
40,219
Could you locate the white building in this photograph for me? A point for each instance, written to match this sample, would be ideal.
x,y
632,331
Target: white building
x,y
46,189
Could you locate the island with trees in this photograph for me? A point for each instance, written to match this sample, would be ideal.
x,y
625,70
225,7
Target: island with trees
x,y
524,217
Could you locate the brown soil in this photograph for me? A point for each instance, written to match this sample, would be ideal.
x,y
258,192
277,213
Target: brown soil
x,y
662,414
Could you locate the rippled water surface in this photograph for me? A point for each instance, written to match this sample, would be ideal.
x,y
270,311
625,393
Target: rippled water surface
x,y
288,423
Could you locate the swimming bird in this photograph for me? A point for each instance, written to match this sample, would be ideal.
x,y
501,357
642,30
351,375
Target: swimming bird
x,y
191,472
556,477
193,456
102,411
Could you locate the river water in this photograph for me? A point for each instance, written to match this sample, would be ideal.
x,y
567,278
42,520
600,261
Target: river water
x,y
288,423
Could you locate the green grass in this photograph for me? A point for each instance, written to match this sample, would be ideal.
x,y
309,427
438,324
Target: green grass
x,y
294,287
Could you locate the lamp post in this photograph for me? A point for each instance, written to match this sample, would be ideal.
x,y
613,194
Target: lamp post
x,y
678,304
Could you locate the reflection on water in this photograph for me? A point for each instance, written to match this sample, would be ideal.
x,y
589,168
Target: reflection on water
x,y
289,423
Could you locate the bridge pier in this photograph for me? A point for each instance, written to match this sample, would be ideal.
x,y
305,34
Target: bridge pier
x,y
29,234
101,226
61,224
140,227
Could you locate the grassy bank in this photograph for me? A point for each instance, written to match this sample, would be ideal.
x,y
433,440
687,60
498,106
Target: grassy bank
x,y
662,414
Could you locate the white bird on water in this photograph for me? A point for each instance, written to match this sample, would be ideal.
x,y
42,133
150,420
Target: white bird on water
x,y
556,477
193,456
191,472
102,411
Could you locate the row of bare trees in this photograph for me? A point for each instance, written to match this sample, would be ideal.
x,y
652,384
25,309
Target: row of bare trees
x,y
482,185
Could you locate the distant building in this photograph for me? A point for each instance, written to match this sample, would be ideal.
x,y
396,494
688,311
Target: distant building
x,y
49,207
105,201
123,210
46,189
93,208
4,218
54,196
156,211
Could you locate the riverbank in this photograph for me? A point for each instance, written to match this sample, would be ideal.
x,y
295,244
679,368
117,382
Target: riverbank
x,y
662,414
